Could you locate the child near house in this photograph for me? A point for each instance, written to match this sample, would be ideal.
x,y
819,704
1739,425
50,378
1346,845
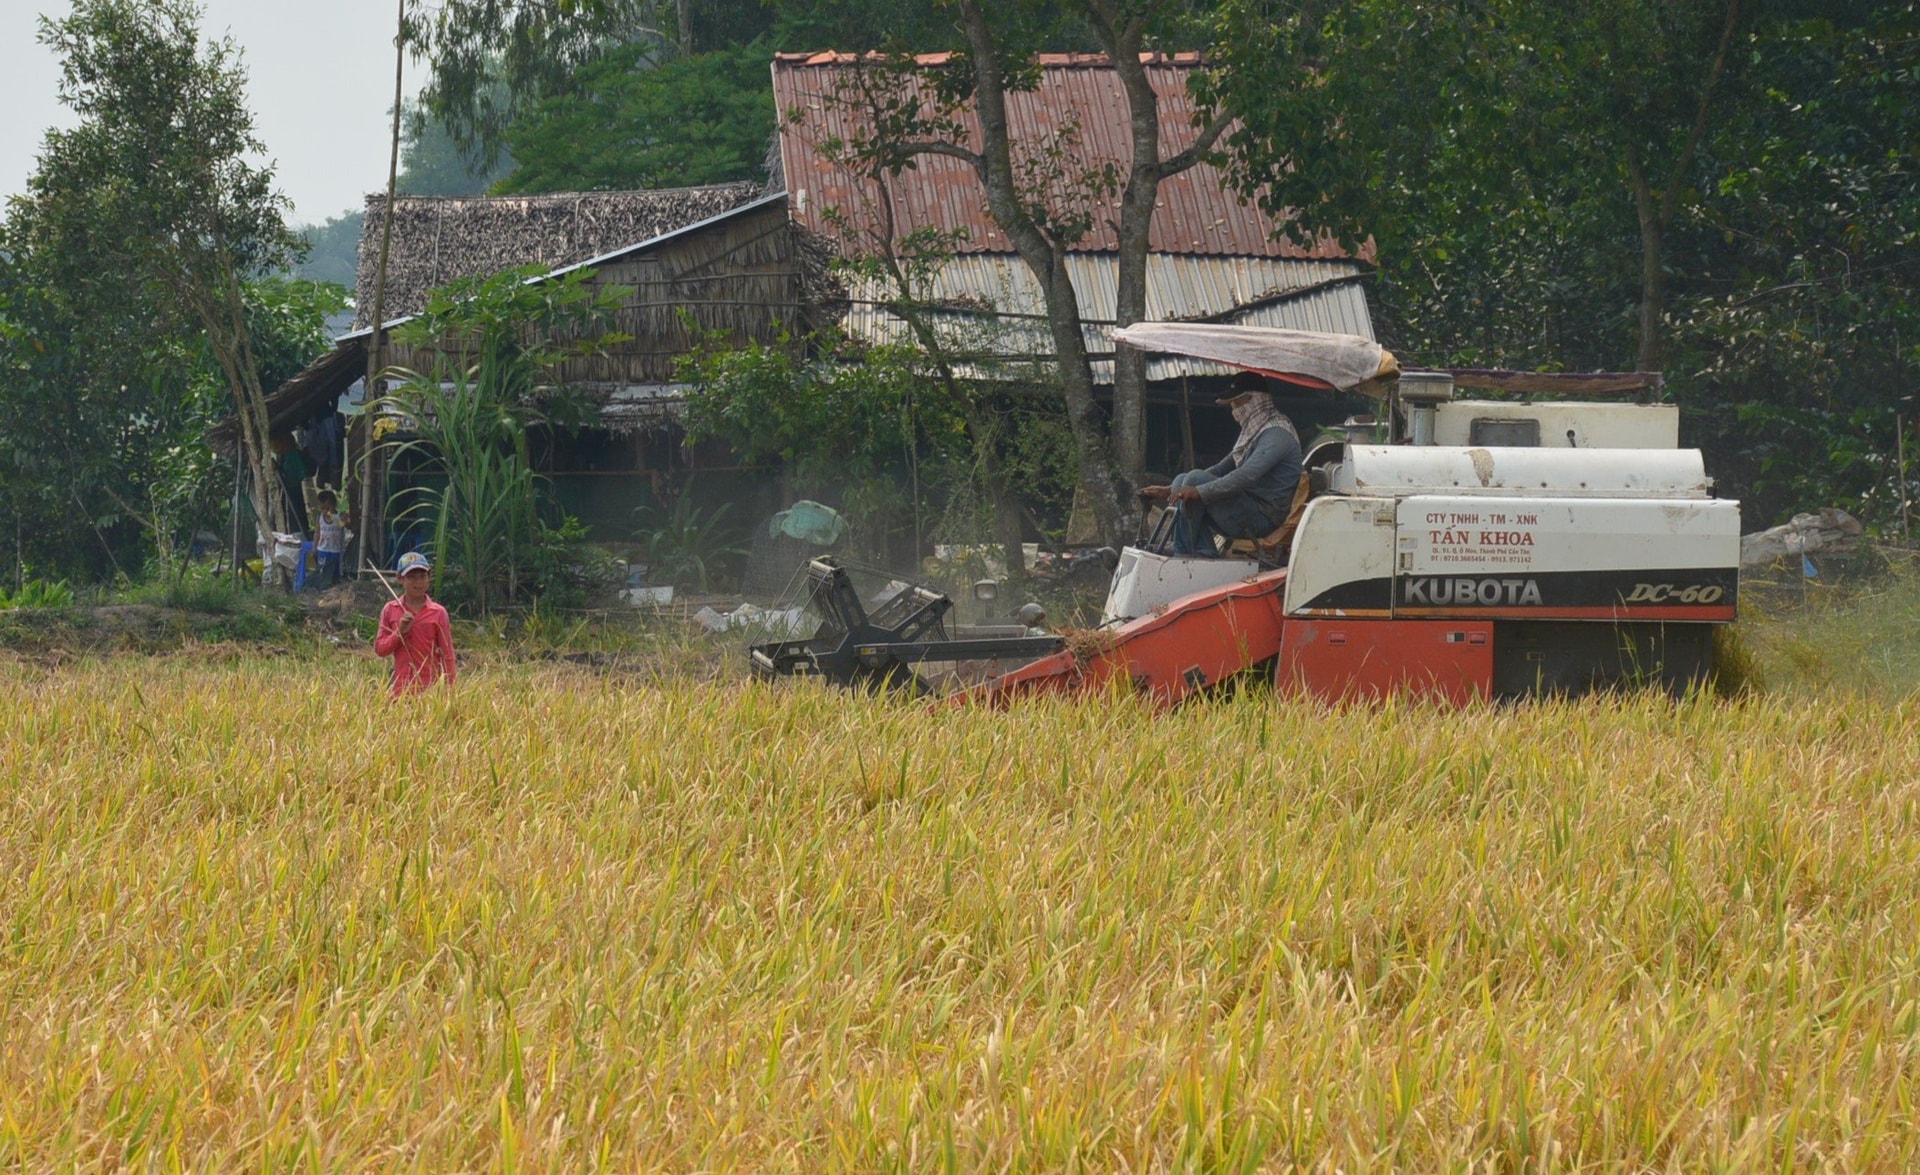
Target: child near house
x,y
415,632
329,538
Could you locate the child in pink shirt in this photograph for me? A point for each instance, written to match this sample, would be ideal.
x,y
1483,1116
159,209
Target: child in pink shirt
x,y
415,632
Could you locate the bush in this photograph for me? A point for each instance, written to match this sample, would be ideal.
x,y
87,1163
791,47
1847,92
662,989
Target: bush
x,y
570,572
690,547
37,593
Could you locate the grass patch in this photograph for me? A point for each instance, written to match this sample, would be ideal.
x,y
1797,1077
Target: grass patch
x,y
256,917
1861,637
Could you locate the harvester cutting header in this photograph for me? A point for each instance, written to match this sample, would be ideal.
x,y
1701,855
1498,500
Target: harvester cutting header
x,y
1485,548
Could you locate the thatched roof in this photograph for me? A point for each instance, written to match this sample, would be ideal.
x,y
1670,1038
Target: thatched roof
x,y
439,239
745,273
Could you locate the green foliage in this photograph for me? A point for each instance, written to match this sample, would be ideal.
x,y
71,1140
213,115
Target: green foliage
x,y
690,547
333,250
1496,170
287,318
132,250
162,111
629,123
105,398
520,322
493,60
823,417
37,593
569,571
848,432
192,587
1809,347
864,25
504,67
469,424
484,519
203,591
492,57
433,162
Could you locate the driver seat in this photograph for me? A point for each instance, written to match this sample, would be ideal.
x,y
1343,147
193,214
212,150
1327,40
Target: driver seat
x,y
1274,547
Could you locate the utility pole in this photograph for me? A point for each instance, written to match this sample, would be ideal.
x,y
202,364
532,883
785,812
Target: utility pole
x,y
376,346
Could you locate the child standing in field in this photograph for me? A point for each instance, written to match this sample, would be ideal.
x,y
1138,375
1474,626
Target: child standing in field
x,y
415,632
329,538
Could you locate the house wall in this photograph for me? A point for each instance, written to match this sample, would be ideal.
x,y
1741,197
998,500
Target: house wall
x,y
741,277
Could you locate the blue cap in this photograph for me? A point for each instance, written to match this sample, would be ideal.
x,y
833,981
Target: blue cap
x,y
412,561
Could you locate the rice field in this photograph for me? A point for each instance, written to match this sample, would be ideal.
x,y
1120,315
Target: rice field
x,y
251,915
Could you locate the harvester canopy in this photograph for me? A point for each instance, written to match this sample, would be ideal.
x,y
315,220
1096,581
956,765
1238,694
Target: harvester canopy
x,y
1314,359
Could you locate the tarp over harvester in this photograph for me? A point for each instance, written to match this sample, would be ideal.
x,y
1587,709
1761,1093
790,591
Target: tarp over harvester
x,y
1311,358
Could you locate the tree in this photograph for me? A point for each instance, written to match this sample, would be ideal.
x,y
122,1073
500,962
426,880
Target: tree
x,y
1634,83
1042,231
333,250
92,398
490,58
1556,188
1803,334
1353,115
628,123
432,162
107,390
573,82
153,188
1123,28
1040,194
494,60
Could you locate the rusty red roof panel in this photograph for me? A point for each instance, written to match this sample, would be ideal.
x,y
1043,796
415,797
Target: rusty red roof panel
x,y
1079,110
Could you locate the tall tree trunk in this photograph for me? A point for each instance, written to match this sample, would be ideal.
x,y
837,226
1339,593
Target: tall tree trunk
x,y
223,316
1121,39
1655,209
1046,259
683,19
1122,33
1653,274
1130,306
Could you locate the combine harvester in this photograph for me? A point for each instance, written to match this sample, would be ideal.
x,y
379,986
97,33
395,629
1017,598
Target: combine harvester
x,y
1491,549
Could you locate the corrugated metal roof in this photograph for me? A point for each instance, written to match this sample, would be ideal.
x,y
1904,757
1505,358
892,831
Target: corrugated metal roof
x,y
1079,105
994,309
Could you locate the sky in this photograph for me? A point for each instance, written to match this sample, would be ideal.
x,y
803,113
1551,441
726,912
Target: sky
x,y
320,81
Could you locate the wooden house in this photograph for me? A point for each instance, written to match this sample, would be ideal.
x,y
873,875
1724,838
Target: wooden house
x,y
722,262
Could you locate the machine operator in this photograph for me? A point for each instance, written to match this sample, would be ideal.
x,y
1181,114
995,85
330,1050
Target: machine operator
x,y
1247,494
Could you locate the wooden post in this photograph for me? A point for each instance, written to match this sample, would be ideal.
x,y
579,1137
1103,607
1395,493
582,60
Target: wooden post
x,y
372,512
1187,459
239,472
1900,444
